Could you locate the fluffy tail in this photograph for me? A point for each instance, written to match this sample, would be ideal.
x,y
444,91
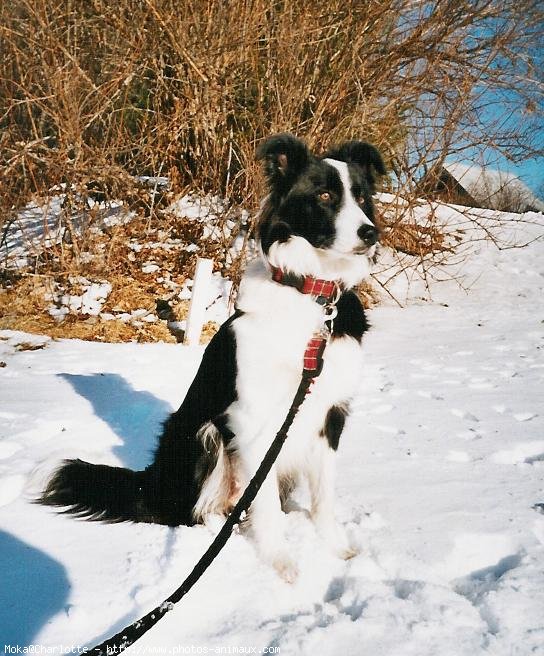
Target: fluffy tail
x,y
99,492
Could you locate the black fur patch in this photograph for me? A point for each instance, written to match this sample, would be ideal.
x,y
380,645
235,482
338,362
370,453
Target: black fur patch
x,y
351,319
363,155
334,425
174,486
285,157
213,388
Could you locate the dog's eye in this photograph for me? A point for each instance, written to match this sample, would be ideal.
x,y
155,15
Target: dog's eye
x,y
360,200
325,197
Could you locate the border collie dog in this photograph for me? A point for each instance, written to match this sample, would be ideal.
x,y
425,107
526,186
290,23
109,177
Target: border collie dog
x,y
316,225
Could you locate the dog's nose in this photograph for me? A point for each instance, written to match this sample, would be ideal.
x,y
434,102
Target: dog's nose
x,y
368,233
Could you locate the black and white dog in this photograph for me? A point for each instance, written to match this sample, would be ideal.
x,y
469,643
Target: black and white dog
x,y
316,225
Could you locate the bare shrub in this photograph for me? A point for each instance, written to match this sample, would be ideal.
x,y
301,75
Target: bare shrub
x,y
95,94
154,86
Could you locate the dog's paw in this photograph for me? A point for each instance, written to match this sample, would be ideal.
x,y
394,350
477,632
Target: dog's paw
x,y
347,552
342,548
337,540
285,566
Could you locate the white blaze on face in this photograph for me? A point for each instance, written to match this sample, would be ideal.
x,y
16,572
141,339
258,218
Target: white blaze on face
x,y
350,216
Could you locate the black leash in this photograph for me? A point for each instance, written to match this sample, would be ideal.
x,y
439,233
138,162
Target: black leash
x,y
128,636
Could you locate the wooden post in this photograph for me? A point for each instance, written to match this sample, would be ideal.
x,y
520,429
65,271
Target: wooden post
x,y
199,298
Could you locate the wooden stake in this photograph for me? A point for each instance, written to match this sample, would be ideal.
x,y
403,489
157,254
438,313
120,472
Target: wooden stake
x,y
199,299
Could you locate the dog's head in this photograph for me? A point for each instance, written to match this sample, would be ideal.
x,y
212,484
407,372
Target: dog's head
x,y
319,218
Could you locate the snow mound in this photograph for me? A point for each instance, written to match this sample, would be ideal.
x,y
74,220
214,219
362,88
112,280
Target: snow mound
x,y
493,188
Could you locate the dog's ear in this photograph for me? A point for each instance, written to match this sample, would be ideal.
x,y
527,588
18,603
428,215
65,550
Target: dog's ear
x,y
366,155
285,157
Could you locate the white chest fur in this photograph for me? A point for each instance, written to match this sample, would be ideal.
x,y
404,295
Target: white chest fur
x,y
271,338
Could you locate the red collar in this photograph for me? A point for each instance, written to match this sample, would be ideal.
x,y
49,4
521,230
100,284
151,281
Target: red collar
x,y
325,291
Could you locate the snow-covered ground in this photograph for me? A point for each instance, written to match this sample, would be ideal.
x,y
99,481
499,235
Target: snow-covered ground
x,y
440,476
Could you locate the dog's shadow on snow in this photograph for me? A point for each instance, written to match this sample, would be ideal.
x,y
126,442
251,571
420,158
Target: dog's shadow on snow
x,y
134,415
34,588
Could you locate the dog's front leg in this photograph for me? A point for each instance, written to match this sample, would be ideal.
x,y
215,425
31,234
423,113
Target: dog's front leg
x,y
266,520
321,477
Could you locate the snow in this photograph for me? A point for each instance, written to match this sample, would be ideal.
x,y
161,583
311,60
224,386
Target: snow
x,y
90,301
440,476
193,206
466,255
42,224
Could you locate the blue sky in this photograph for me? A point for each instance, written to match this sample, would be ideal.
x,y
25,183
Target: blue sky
x,y
503,110
530,172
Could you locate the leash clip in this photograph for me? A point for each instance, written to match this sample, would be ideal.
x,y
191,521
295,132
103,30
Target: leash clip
x,y
330,312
